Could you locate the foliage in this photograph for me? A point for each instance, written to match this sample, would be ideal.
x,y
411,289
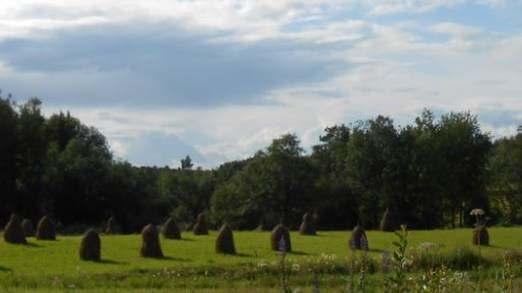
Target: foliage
x,y
428,174
397,280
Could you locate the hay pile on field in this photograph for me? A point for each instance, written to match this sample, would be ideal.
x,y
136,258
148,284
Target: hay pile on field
x,y
225,241
151,244
90,247
358,240
170,230
389,221
46,229
280,239
480,235
13,232
200,228
28,228
112,227
307,226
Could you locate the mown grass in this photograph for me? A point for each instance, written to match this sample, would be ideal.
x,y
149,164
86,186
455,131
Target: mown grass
x,y
192,262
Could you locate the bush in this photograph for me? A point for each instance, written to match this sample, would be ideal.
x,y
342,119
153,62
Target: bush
x,y
201,228
28,228
462,258
90,247
358,240
112,227
46,229
13,232
480,236
225,241
170,230
151,244
280,239
307,226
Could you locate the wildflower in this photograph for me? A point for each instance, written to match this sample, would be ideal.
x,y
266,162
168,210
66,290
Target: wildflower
x,y
296,267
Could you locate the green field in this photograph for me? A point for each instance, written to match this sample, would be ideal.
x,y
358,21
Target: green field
x,y
192,262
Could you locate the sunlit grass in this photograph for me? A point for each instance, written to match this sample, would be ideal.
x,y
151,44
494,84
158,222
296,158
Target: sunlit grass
x,y
41,261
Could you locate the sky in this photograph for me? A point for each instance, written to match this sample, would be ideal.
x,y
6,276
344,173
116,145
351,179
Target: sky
x,y
218,80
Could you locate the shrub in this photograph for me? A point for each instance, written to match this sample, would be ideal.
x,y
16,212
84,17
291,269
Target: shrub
x,y
358,240
225,241
151,244
480,236
170,230
28,228
307,226
461,258
514,256
13,232
201,228
90,247
280,239
112,227
46,229
389,221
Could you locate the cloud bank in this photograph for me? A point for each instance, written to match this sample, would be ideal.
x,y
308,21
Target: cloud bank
x,y
219,80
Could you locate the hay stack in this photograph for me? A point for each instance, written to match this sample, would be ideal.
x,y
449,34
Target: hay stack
x,y
151,244
389,221
358,240
307,226
280,239
90,247
13,232
46,229
28,227
480,236
170,230
112,227
225,241
201,228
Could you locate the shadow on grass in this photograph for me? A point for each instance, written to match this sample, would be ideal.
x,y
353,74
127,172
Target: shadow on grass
x,y
111,262
32,245
4,269
294,252
499,247
377,250
170,258
242,255
185,239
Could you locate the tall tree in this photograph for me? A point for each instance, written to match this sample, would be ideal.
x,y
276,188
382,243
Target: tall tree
x,y
8,156
505,186
32,150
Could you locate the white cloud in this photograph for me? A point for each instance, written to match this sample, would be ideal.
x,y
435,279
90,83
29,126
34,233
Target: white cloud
x,y
394,69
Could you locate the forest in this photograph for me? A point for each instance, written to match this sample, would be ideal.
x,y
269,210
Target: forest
x,y
428,174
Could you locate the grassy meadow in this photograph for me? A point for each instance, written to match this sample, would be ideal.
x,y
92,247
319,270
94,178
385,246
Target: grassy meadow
x,y
192,262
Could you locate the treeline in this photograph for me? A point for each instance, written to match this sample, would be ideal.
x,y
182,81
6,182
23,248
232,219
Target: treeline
x,y
429,174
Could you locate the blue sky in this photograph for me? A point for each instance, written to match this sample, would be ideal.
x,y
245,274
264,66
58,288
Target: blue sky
x,y
219,80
